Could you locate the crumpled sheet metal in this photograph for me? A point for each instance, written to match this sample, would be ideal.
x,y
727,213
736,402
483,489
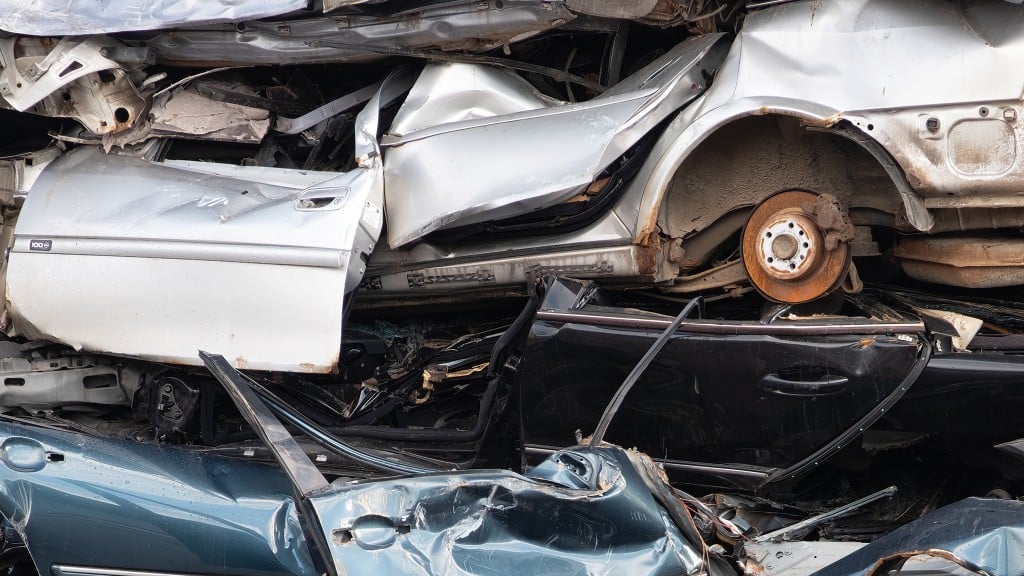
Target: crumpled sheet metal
x,y
69,60
555,522
76,17
141,506
462,25
187,113
190,113
458,173
983,532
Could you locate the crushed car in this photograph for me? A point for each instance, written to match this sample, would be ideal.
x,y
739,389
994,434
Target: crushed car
x,y
66,496
445,257
746,396
377,156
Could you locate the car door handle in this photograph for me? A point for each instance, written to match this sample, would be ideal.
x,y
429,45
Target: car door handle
x,y
325,198
26,455
782,386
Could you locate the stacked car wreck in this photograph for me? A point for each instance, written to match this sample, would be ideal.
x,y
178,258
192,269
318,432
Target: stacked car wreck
x,y
346,286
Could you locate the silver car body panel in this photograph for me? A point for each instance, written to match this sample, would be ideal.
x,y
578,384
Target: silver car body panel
x,y
39,76
156,260
793,558
466,25
486,166
449,93
164,260
600,251
511,271
186,113
75,17
35,382
73,78
912,61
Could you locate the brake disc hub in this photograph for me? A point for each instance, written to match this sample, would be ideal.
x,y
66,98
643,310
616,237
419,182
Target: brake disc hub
x,y
785,249
789,246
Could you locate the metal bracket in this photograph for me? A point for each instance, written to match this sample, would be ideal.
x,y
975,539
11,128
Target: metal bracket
x,y
68,61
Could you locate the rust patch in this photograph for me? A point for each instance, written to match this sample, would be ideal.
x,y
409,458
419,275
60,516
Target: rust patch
x,y
647,255
650,226
830,217
824,269
916,177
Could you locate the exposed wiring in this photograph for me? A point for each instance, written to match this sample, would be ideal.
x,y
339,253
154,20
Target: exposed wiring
x,y
766,4
188,79
711,14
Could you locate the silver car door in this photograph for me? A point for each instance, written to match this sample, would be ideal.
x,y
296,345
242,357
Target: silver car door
x,y
151,260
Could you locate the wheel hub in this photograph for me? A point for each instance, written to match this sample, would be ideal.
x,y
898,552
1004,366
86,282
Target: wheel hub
x,y
789,246
784,251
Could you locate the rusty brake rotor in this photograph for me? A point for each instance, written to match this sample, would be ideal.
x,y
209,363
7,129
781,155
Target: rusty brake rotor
x,y
796,246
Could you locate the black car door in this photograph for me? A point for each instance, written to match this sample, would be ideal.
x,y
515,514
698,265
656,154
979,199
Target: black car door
x,y
734,403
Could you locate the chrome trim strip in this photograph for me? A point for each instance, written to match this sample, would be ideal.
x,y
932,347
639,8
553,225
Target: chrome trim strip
x,y
736,327
184,250
63,570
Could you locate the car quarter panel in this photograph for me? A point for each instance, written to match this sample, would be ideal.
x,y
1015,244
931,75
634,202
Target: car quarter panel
x,y
886,67
101,502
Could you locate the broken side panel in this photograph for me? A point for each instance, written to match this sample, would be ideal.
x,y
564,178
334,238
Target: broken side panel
x,y
72,78
583,511
119,255
446,166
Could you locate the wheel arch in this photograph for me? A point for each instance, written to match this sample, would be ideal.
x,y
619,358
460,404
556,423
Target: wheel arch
x,y
689,131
